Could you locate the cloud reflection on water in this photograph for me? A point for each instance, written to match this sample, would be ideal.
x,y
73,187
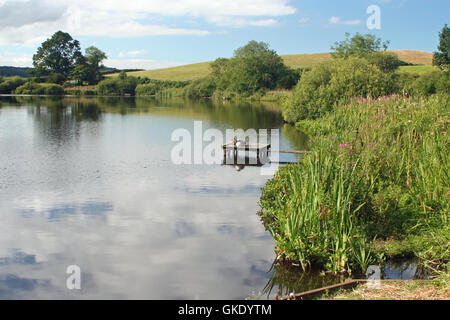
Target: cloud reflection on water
x,y
137,225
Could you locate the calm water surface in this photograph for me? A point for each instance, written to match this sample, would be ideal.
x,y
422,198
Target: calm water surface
x,y
90,182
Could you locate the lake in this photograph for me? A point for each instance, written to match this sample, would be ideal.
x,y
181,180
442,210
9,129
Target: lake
x,y
90,182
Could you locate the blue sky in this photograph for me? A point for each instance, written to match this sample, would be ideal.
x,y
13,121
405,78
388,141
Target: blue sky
x,y
159,33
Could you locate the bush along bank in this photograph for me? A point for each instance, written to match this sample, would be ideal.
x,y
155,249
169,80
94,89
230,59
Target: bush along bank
x,y
128,85
40,88
379,171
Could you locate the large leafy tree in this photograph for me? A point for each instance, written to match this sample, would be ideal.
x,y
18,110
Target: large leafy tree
x,y
253,67
442,57
82,74
94,58
358,46
59,54
368,47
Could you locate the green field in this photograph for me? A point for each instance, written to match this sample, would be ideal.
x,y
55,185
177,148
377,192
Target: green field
x,y
423,60
418,69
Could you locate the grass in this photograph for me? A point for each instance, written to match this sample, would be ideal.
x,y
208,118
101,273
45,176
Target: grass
x,y
420,69
200,70
379,170
182,73
415,57
305,60
437,289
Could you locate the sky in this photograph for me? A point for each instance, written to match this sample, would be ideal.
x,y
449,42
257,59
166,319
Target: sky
x,y
152,34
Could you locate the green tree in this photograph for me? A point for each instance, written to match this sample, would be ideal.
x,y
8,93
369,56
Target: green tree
x,y
442,56
254,67
122,75
56,78
385,61
359,45
58,54
332,82
94,58
368,47
83,73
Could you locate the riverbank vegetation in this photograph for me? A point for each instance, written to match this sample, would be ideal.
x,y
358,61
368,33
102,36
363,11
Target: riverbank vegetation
x,y
379,171
359,69
128,85
376,185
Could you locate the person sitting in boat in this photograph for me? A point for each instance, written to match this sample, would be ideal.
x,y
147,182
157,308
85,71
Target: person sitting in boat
x,y
238,143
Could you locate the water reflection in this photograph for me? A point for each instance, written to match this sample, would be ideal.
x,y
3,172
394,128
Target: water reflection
x,y
89,181
404,270
290,279
60,210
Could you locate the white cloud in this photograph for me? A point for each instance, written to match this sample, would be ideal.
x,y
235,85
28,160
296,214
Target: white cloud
x,y
338,20
138,52
16,60
303,20
241,22
146,64
133,53
16,14
30,22
196,8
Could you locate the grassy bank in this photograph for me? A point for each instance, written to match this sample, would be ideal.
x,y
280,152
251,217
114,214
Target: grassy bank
x,y
379,171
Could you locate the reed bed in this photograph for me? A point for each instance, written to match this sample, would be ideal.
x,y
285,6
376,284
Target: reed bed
x,y
379,170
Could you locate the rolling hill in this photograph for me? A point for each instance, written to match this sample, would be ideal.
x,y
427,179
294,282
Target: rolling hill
x,y
423,60
8,71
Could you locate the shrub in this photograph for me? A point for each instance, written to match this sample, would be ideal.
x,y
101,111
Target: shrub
x,y
56,78
201,88
108,87
385,61
149,89
89,92
74,92
288,78
30,88
433,82
127,86
163,84
443,84
335,81
54,89
9,85
117,86
406,81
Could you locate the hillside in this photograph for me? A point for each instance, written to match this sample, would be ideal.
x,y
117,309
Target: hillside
x,y
200,70
8,71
